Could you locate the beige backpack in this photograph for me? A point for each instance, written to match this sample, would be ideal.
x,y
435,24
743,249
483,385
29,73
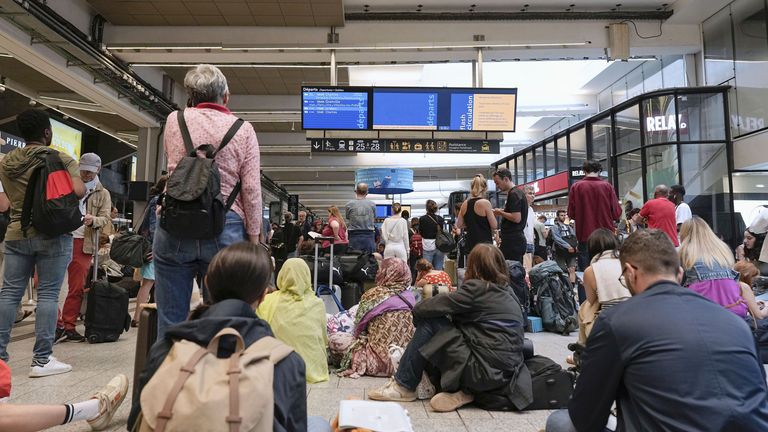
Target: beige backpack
x,y
193,390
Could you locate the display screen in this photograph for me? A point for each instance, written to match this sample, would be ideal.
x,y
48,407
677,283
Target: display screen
x,y
383,210
409,108
335,108
66,139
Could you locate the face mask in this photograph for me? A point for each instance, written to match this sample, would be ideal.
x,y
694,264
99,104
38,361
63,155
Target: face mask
x,y
91,184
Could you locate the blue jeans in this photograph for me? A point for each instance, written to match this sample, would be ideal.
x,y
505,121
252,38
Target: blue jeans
x,y
436,258
50,256
412,364
560,421
362,240
179,261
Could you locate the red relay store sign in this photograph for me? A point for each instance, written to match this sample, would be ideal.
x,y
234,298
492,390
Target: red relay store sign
x,y
549,184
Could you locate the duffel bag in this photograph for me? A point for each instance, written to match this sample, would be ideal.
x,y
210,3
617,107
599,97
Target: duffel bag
x,y
130,249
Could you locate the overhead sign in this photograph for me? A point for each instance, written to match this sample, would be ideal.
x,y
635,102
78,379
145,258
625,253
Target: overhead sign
x,y
385,181
337,108
336,145
9,142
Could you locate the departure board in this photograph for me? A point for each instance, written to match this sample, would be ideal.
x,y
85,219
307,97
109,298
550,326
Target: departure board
x,y
336,108
409,108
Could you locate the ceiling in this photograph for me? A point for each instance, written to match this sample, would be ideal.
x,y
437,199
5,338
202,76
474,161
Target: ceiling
x,y
266,80
500,5
272,13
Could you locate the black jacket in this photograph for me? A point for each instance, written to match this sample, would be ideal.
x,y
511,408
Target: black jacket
x,y
290,391
482,353
673,361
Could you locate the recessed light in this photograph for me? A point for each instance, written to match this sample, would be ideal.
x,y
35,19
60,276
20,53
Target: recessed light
x,y
760,185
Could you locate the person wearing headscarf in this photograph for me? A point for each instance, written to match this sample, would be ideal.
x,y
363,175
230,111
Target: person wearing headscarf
x,y
297,317
383,319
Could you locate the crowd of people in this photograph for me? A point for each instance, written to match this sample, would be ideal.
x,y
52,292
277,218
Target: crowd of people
x,y
667,313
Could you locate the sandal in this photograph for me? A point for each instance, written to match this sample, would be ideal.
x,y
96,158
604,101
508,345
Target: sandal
x,y
134,323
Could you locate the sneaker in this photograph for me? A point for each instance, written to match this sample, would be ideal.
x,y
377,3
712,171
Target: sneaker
x,y
445,402
73,336
392,391
53,367
110,397
60,335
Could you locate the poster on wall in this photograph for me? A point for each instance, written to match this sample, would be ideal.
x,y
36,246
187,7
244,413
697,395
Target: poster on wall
x,y
66,139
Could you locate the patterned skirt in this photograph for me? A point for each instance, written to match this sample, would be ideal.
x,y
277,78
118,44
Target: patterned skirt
x,y
370,352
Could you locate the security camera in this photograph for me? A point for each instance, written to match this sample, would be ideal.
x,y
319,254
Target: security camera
x,y
2,88
32,102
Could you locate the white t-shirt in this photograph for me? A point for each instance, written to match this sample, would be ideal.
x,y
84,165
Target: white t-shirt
x,y
683,213
529,238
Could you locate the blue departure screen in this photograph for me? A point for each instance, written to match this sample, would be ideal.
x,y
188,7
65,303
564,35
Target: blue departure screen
x,y
334,108
404,110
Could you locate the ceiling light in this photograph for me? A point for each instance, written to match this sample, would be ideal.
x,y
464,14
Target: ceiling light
x,y
6,55
231,65
760,185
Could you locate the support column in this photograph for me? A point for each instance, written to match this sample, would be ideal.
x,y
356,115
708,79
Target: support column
x,y
150,164
479,82
334,79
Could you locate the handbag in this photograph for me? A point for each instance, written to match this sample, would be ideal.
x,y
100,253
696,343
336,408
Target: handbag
x,y
444,242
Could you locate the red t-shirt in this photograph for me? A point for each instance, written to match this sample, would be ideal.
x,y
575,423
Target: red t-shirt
x,y
660,213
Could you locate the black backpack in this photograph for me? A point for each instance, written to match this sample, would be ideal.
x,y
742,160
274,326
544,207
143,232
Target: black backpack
x,y
50,202
553,300
192,206
519,286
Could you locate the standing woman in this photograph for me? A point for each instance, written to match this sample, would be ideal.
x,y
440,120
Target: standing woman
x,y
337,229
394,233
429,224
476,215
147,229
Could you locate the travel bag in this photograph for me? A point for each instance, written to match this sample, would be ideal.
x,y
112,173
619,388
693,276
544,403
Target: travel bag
x,y
145,338
106,315
553,298
552,385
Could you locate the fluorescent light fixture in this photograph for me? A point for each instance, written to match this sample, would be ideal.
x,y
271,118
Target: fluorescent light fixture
x,y
232,65
348,47
6,55
97,109
759,185
74,101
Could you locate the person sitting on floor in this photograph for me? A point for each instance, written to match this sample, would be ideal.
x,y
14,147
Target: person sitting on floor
x,y
670,359
601,280
295,302
708,264
425,274
478,351
237,280
383,319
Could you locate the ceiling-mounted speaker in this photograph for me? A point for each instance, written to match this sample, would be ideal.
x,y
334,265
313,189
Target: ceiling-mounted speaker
x,y
618,41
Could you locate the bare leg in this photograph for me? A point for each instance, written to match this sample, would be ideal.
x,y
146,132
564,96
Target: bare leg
x,y
24,418
142,296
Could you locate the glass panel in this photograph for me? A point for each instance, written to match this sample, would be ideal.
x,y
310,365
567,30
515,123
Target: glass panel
x,y
562,155
701,117
549,155
718,47
578,147
529,167
601,138
604,100
705,177
673,72
653,77
751,38
660,124
630,172
619,91
661,167
628,129
515,171
749,196
635,82
539,157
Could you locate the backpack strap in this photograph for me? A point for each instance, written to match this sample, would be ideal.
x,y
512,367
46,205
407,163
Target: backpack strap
x,y
185,132
224,141
272,348
186,371
29,198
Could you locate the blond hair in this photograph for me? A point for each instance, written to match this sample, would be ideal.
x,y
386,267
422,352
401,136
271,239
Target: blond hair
x,y
479,186
699,243
334,211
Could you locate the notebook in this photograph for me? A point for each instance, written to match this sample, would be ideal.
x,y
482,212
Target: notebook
x,y
376,416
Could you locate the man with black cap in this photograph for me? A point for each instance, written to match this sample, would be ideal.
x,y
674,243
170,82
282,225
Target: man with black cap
x,y
96,208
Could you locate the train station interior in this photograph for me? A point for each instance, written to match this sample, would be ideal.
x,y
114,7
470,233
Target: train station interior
x,y
658,91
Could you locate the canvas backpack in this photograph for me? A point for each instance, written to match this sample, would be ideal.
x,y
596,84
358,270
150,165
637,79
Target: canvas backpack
x,y
192,205
194,390
553,298
50,203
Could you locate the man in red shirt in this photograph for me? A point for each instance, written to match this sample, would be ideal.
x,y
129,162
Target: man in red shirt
x,y
593,204
660,213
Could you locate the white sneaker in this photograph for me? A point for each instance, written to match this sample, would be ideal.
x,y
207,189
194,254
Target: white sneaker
x,y
53,367
110,397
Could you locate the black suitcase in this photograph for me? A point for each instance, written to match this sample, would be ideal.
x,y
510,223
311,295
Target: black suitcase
x,y
552,385
106,315
145,338
350,294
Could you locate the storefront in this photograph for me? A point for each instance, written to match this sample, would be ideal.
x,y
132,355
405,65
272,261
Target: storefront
x,y
671,136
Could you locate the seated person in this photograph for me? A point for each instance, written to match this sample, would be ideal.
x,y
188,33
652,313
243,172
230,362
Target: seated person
x,y
670,359
478,352
383,319
295,302
747,272
752,249
601,280
237,280
708,264
426,274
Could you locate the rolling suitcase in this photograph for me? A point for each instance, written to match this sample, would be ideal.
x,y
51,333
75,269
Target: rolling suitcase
x,y
106,314
328,293
145,338
552,385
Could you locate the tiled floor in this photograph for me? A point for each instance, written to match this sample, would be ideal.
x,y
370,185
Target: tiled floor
x,y
95,365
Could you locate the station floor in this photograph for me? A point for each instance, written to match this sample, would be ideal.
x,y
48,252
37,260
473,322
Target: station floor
x,y
94,365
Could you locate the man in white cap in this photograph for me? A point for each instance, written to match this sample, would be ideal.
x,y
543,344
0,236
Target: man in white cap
x,y
96,207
